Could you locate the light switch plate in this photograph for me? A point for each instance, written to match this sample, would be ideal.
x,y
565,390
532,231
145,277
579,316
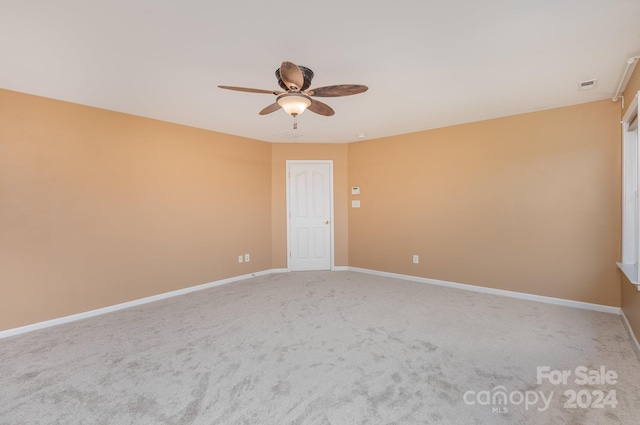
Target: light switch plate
x,y
355,204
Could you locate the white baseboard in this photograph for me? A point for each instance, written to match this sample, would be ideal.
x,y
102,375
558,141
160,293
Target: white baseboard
x,y
273,271
129,304
482,289
340,269
493,291
629,329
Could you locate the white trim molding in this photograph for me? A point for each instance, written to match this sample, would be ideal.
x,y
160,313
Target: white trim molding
x,y
631,272
512,294
134,303
630,184
466,287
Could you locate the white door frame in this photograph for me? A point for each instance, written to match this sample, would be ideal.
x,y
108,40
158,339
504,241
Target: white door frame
x,y
311,161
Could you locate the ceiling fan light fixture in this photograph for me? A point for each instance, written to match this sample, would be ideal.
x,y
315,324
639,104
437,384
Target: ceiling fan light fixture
x,y
294,103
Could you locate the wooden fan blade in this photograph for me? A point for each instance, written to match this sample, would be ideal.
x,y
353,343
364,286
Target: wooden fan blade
x,y
269,109
337,91
320,108
250,90
291,75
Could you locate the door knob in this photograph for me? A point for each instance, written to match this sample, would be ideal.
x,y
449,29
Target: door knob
x,y
326,222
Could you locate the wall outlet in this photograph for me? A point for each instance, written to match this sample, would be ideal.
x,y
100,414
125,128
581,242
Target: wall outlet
x,y
247,258
239,258
416,259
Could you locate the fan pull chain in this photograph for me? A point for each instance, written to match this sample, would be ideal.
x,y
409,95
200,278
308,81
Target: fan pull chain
x,y
295,122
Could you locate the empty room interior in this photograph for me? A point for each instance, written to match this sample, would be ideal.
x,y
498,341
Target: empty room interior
x,y
449,235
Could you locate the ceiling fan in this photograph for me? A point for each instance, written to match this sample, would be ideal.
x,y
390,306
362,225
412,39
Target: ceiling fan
x,y
297,97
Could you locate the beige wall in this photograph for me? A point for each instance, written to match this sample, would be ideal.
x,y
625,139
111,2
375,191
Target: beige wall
x,y
527,203
280,154
630,295
98,208
631,305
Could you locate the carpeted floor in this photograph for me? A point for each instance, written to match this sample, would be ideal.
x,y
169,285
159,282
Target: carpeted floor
x,y
325,348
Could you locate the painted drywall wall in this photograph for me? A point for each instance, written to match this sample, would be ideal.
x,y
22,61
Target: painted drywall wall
x,y
528,203
99,208
281,152
630,295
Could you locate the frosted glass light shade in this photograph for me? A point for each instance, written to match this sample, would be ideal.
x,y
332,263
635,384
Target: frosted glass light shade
x,y
294,103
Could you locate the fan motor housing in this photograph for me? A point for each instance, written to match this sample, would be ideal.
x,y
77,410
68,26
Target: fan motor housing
x,y
307,74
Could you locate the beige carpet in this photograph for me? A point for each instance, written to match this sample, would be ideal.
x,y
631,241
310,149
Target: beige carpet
x,y
323,348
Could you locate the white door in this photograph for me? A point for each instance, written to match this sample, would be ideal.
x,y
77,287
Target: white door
x,y
310,193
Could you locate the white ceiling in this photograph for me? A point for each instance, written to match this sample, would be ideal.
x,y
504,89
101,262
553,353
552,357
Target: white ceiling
x,y
428,64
